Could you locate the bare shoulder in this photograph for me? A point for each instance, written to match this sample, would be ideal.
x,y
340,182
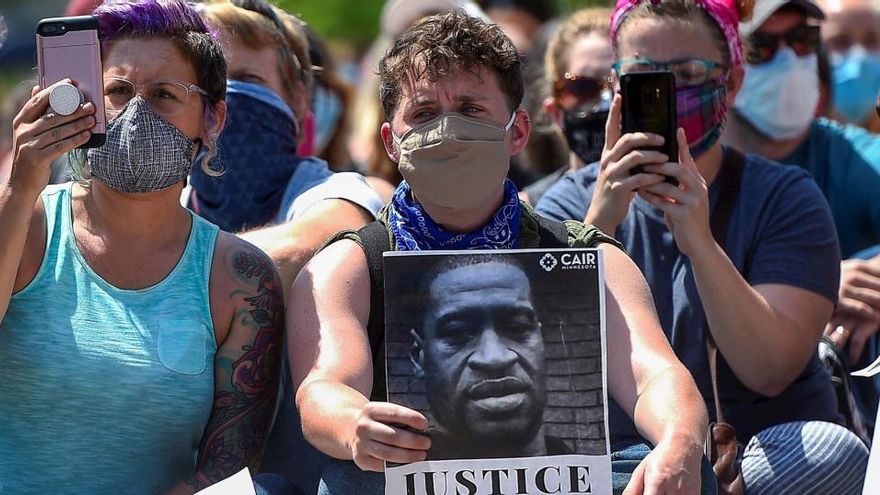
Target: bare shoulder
x,y
336,277
338,265
243,278
622,275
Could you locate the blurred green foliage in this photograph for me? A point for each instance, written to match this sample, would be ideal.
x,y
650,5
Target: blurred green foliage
x,y
357,21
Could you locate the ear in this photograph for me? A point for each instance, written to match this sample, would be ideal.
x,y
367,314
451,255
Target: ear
x,y
211,129
519,133
734,84
391,148
219,120
417,354
553,111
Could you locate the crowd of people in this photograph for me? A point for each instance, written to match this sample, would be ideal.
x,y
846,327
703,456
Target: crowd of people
x,y
204,292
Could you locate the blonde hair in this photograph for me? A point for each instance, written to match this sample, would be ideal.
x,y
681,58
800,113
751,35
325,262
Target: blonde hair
x,y
256,31
581,23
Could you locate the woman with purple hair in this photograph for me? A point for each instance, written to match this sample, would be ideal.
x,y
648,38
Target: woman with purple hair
x,y
139,346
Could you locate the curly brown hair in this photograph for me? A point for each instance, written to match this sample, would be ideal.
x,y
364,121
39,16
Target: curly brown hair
x,y
439,45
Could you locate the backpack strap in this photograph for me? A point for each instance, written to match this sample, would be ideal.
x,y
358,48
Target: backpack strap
x,y
374,242
553,233
728,179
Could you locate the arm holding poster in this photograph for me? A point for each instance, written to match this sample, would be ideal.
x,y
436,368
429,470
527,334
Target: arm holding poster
x,y
332,362
653,386
332,366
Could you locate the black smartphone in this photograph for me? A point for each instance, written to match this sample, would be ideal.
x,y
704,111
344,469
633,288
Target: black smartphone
x,y
649,106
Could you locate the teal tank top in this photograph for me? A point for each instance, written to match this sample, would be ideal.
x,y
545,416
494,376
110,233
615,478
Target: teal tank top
x,y
104,390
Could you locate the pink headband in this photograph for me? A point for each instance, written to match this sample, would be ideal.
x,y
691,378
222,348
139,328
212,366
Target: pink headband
x,y
724,13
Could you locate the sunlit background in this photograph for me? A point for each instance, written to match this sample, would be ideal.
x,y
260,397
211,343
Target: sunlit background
x,y
349,26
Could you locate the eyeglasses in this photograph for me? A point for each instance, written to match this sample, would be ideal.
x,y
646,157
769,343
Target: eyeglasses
x,y
687,71
166,98
579,92
761,47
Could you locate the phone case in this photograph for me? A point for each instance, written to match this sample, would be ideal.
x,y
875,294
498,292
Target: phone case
x,y
70,47
649,106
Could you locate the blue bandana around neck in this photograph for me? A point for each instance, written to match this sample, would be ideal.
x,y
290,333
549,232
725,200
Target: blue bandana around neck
x,y
414,230
257,154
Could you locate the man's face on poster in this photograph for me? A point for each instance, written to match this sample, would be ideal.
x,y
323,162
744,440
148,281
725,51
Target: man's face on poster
x,y
482,353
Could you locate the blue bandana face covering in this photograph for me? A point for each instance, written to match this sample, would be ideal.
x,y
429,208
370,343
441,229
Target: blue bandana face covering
x,y
856,82
414,230
257,156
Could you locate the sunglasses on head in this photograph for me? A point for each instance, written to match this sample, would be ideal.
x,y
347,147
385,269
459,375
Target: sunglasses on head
x,y
803,39
575,92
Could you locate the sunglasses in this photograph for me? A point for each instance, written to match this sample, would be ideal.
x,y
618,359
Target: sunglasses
x,y
803,39
576,92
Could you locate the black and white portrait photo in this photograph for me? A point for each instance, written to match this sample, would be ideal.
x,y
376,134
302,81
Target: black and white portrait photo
x,y
502,351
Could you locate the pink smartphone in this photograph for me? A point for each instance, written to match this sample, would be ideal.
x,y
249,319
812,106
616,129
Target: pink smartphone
x,y
69,47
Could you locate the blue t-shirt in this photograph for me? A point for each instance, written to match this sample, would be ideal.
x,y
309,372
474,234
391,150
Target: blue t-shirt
x,y
781,228
845,162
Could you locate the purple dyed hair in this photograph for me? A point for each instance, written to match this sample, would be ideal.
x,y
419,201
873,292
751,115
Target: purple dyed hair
x,y
180,23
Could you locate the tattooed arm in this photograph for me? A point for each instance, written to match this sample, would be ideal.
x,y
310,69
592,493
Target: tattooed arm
x,y
246,296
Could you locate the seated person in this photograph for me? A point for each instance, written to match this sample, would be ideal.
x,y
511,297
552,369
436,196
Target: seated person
x,y
851,36
450,87
259,178
155,368
578,60
766,294
774,117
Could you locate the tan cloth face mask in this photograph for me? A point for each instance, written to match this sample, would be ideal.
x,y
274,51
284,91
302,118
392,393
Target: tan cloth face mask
x,y
454,161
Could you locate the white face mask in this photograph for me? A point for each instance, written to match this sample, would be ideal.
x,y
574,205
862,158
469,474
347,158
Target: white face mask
x,y
779,98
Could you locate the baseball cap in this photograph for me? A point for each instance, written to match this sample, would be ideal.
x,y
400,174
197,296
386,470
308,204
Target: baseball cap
x,y
399,15
765,8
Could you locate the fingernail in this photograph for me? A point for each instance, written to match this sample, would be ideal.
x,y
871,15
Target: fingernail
x,y
89,107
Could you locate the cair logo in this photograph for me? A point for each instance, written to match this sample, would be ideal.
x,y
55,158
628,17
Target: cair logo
x,y
569,261
548,262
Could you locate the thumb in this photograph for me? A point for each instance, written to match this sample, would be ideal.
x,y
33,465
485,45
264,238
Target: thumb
x,y
636,485
684,151
612,125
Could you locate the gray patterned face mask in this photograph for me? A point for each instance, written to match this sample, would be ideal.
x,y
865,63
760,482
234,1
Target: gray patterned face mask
x,y
143,152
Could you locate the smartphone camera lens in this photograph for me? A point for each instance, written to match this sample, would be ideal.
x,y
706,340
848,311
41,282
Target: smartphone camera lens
x,y
50,28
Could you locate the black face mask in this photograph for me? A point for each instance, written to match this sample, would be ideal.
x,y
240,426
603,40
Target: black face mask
x,y
585,133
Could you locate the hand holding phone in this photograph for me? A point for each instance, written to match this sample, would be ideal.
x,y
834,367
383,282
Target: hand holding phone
x,y
649,106
69,48
40,136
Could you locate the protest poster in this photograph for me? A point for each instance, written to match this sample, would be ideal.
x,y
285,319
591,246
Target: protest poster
x,y
239,483
504,353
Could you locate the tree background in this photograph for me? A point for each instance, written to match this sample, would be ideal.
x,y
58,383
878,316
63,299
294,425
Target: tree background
x,y
358,21
349,26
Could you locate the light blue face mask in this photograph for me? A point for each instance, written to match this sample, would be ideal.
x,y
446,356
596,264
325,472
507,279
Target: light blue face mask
x,y
856,82
779,98
327,108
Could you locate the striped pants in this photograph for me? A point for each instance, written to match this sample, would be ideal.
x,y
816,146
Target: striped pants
x,y
804,458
